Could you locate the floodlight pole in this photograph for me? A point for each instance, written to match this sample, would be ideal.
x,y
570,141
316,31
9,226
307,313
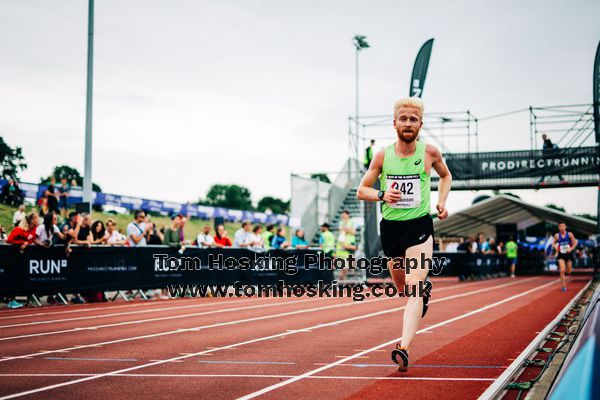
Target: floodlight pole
x,y
87,172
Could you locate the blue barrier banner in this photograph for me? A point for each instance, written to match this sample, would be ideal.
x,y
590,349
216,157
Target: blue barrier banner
x,y
34,191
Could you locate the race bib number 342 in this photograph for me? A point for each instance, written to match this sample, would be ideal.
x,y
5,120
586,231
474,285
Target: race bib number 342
x,y
409,187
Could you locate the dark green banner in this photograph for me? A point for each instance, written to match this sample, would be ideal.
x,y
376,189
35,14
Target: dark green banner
x,y
597,94
553,163
417,80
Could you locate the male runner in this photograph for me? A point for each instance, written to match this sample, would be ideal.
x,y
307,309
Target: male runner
x,y
407,228
564,243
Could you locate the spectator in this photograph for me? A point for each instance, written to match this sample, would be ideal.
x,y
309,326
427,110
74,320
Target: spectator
x,y
84,237
254,240
43,205
327,240
298,241
52,195
268,236
182,229
279,240
482,244
137,230
221,239
24,234
346,223
112,235
71,230
63,194
492,246
346,245
154,236
464,245
172,238
46,232
240,238
98,232
18,215
549,151
369,154
3,235
204,239
11,193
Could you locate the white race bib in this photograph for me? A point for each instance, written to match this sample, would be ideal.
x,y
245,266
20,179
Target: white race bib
x,y
564,248
409,187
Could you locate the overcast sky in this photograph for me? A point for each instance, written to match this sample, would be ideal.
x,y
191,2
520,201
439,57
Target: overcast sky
x,y
192,93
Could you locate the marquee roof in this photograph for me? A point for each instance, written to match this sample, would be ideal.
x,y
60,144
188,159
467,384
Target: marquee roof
x,y
502,209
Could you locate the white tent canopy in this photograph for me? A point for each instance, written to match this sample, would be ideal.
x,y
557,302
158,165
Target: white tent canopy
x,y
503,209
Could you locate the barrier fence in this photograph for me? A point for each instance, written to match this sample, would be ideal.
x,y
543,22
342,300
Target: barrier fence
x,y
42,270
48,270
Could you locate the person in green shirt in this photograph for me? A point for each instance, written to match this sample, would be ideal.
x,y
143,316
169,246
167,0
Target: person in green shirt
x,y
511,255
404,169
369,154
172,238
327,240
346,245
267,236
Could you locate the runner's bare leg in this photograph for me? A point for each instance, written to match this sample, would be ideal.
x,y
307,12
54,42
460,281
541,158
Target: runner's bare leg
x,y
414,306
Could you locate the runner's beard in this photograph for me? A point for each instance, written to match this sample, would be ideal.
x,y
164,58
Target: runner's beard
x,y
409,139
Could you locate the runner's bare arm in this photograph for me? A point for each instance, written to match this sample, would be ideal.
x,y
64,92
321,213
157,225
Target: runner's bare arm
x,y
366,191
574,242
445,180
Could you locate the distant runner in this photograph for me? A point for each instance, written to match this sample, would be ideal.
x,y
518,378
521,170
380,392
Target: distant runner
x,y
564,244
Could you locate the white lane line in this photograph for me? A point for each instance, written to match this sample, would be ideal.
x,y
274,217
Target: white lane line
x,y
388,343
77,347
140,321
84,308
375,378
194,329
260,339
118,314
143,321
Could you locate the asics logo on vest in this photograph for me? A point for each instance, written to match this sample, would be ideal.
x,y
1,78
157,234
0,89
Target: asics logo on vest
x,y
418,162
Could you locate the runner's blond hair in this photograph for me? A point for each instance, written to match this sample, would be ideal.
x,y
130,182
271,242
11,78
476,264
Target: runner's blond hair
x,y
412,102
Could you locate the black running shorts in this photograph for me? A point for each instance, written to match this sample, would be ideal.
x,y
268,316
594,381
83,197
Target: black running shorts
x,y
565,256
397,236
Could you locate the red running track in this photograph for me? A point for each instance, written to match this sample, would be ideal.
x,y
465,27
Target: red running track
x,y
275,348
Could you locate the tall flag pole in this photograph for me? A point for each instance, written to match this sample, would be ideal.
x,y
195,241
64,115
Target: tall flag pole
x,y
360,43
417,80
87,172
596,107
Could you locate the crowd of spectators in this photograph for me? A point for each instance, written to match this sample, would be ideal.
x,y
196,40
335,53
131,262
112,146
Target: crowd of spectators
x,y
11,194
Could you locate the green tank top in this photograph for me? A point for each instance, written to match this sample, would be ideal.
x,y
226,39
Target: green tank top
x,y
511,249
407,175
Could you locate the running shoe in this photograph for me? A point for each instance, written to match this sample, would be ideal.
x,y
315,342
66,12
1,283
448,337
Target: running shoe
x,y
427,286
14,304
564,289
400,357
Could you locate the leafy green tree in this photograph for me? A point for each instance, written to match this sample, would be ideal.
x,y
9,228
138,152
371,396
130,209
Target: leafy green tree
x,y
69,173
321,177
276,205
12,161
555,207
228,196
587,216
